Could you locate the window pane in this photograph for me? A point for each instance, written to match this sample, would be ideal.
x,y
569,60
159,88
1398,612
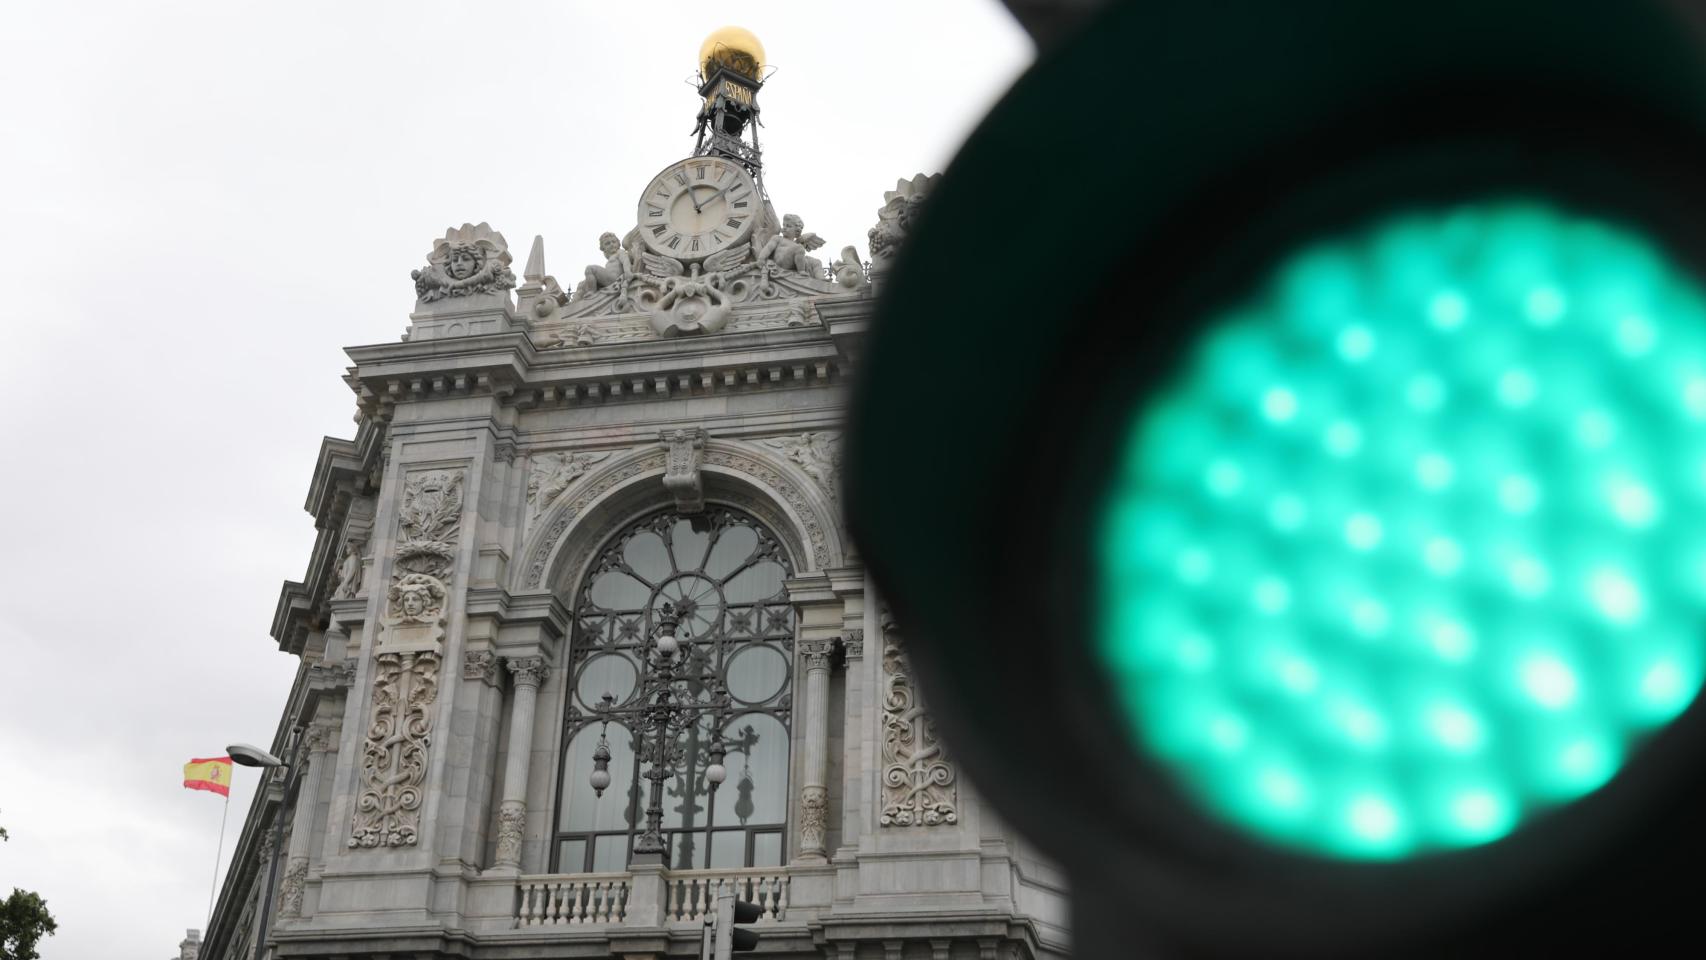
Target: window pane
x,y
767,849
761,581
615,590
756,673
571,856
688,850
612,673
645,552
688,545
756,791
610,853
734,547
582,809
684,801
728,849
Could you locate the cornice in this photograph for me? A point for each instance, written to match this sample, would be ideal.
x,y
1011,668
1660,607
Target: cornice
x,y
511,368
545,609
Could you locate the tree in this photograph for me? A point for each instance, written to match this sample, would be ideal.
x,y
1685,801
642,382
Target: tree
x,y
24,920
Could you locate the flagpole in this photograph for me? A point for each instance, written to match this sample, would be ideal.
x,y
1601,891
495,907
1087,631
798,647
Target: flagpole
x,y
214,887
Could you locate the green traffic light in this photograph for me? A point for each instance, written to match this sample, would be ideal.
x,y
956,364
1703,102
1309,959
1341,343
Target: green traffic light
x,y
1413,546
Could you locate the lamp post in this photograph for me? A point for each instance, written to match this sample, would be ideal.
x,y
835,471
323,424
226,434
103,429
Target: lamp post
x,y
667,710
252,756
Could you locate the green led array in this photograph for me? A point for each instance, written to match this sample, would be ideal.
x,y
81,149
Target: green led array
x,y
1414,544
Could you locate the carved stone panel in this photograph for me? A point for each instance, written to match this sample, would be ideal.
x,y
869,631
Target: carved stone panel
x,y
394,752
918,782
818,454
552,474
398,738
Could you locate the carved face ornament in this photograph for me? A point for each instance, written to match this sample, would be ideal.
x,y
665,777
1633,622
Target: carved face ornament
x,y
464,261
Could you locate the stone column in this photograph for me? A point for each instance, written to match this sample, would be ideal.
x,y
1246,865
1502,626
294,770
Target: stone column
x,y
527,673
320,738
814,794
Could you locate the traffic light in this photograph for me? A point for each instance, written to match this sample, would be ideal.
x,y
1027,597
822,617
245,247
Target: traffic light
x,y
728,936
1290,421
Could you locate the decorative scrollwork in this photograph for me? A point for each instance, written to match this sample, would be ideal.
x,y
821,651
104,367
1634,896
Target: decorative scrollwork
x,y
394,753
918,781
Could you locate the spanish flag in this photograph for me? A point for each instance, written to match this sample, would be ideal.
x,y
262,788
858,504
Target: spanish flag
x,y
211,774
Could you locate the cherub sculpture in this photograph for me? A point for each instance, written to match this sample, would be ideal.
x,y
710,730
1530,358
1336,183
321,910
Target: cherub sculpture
x,y
618,266
788,249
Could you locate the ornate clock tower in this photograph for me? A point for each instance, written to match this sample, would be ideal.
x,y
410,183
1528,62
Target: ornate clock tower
x,y
731,72
583,642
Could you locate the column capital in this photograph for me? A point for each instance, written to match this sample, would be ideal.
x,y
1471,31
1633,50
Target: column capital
x,y
527,671
817,651
480,665
854,643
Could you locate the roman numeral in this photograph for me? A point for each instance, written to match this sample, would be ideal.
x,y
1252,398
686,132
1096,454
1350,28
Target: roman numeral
x,y
660,230
717,236
700,170
734,222
695,244
739,203
662,193
654,212
681,178
674,241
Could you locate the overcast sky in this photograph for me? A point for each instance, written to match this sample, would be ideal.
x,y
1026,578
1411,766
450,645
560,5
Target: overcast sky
x,y
203,203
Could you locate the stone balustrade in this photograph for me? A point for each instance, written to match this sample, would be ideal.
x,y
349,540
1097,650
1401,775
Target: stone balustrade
x,y
602,898
572,898
691,894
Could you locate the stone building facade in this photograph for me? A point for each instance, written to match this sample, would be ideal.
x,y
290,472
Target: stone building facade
x,y
543,483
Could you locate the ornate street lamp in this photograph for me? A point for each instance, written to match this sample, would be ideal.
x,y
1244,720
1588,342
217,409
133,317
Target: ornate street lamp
x,y
669,709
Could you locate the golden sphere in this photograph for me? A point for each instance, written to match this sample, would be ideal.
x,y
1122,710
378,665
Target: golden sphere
x,y
732,47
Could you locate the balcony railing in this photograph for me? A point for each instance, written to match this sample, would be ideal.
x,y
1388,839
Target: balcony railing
x,y
576,898
688,895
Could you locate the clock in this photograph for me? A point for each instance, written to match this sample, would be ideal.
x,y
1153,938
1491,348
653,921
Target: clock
x,y
698,207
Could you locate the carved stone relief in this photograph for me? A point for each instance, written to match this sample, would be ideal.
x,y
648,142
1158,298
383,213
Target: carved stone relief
x,y
471,259
481,665
767,476
681,470
512,823
552,474
854,644
894,219
818,454
407,661
578,501
290,889
918,782
348,583
728,457
394,753
814,817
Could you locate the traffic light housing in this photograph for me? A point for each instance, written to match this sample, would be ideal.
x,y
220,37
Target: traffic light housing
x,y
729,935
1144,230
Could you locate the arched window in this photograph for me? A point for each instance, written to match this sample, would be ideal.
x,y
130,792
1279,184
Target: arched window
x,y
722,574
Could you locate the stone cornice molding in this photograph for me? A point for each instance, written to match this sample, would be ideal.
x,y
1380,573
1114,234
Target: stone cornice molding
x,y
509,367
519,609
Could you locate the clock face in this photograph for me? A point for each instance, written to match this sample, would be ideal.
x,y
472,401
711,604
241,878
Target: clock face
x,y
697,207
